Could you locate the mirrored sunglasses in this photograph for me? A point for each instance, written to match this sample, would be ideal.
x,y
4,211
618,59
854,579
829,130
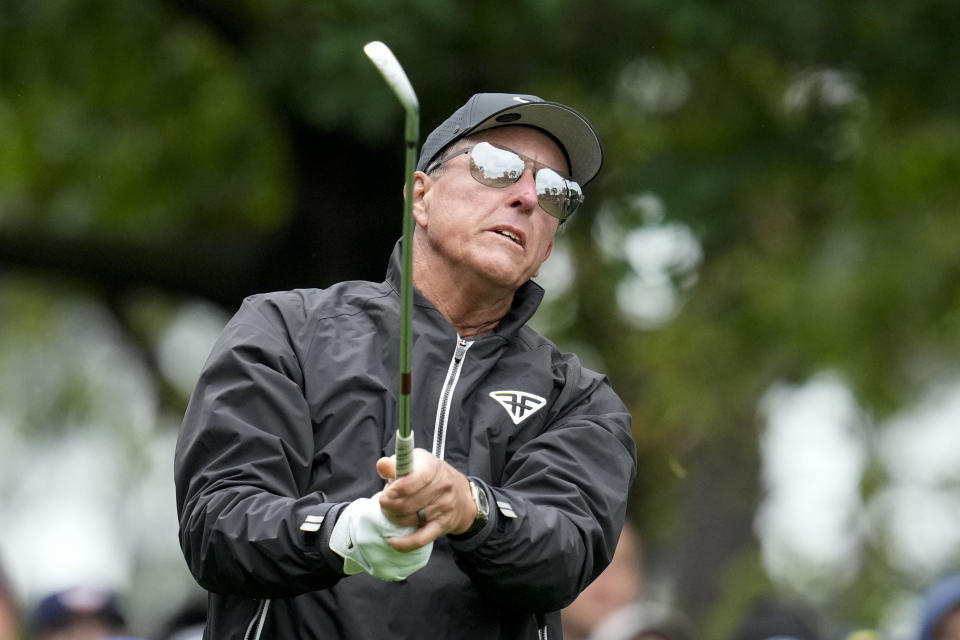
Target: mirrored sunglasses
x,y
497,167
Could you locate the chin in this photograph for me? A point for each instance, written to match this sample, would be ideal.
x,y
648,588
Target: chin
x,y
499,269
505,275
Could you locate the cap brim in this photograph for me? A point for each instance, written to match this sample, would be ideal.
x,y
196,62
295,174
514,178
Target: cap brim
x,y
574,133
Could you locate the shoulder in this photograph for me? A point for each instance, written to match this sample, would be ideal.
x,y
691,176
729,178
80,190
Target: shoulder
x,y
564,363
301,305
299,317
575,382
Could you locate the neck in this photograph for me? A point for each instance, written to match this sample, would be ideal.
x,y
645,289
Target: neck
x,y
471,306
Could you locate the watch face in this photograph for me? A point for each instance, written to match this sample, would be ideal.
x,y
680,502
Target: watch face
x,y
483,506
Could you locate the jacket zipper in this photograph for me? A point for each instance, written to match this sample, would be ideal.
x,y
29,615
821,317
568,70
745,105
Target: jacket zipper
x,y
542,627
255,628
443,408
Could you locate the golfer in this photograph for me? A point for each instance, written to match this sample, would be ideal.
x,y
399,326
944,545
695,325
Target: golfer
x,y
290,514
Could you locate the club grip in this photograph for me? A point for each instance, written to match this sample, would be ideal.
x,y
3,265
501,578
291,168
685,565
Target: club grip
x,y
404,454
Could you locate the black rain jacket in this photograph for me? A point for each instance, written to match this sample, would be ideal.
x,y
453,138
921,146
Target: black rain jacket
x,y
296,403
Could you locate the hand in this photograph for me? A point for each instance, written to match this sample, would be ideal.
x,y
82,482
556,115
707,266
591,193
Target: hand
x,y
361,537
434,486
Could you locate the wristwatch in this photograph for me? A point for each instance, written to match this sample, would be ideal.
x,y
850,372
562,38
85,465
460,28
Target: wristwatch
x,y
483,506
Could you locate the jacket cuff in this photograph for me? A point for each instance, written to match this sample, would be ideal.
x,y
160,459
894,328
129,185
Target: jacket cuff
x,y
472,539
316,535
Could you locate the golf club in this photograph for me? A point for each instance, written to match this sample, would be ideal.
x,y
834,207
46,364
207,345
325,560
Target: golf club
x,y
393,73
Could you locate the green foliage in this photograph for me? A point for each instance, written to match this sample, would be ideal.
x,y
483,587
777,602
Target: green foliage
x,y
811,148
121,119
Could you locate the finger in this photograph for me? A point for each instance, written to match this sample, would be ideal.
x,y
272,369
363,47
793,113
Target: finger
x,y
399,519
406,517
422,536
387,468
404,511
424,474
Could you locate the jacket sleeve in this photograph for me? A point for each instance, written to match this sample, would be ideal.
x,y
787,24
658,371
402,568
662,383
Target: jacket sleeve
x,y
242,465
561,503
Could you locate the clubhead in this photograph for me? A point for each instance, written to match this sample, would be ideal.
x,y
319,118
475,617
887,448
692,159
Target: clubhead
x,y
393,73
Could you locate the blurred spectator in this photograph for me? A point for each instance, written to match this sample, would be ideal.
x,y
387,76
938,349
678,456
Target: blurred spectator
x,y
612,607
940,615
644,621
186,623
768,619
9,612
78,613
620,584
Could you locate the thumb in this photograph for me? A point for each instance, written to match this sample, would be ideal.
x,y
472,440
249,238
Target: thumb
x,y
387,468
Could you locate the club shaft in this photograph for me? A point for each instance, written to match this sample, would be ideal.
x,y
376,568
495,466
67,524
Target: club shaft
x,y
405,428
396,78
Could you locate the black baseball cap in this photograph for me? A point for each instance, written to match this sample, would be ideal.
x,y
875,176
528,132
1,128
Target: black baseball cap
x,y
483,111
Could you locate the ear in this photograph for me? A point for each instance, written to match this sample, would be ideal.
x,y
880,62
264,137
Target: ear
x,y
422,183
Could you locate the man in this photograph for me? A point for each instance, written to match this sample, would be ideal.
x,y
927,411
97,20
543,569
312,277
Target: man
x,y
78,613
620,585
289,511
940,610
614,606
9,611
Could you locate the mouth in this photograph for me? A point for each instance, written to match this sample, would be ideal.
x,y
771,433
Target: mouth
x,y
510,234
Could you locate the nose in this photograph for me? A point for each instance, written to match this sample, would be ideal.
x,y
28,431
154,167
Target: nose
x,y
525,192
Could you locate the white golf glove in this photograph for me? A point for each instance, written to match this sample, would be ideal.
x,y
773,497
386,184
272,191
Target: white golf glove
x,y
360,538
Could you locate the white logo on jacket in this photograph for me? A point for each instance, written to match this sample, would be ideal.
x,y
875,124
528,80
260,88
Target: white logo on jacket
x,y
519,405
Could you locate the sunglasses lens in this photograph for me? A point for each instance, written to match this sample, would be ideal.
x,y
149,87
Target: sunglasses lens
x,y
499,168
495,167
557,196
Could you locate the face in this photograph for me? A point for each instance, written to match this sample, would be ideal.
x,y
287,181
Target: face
x,y
8,618
84,629
620,584
500,236
949,626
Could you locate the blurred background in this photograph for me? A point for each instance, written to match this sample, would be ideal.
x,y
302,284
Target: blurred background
x,y
767,267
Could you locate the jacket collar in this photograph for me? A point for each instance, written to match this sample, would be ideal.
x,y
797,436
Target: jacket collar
x,y
525,301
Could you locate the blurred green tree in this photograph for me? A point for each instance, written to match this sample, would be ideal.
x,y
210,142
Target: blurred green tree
x,y
157,150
